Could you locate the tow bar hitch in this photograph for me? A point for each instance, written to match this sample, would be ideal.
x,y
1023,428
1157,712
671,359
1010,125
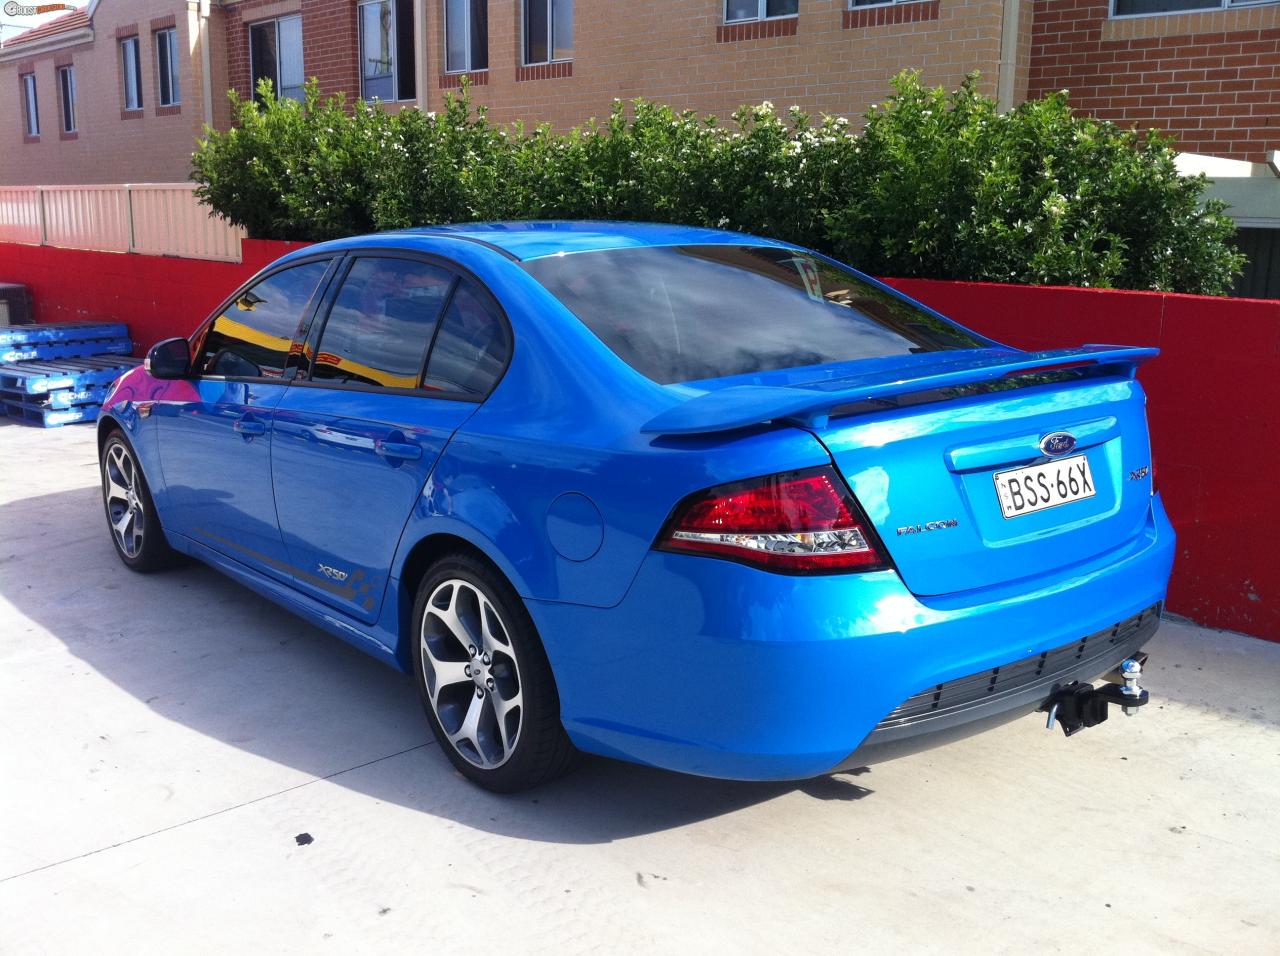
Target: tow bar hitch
x,y
1076,706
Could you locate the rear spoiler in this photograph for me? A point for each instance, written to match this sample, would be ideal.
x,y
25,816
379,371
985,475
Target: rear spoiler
x,y
810,404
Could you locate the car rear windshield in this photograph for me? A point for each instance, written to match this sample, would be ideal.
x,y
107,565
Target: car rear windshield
x,y
684,313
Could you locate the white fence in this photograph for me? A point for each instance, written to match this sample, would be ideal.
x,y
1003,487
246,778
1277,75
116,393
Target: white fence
x,y
158,219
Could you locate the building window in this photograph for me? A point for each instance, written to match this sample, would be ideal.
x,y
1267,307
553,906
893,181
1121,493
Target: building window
x,y
466,35
131,64
275,54
167,66
548,31
30,108
1129,8
387,50
67,87
735,11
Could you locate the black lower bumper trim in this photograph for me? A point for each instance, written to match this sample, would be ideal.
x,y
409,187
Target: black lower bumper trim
x,y
969,705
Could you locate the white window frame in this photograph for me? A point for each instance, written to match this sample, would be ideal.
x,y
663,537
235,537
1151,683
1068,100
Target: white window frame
x,y
30,106
762,8
166,44
882,3
395,50
275,25
551,34
1209,7
466,39
133,76
67,97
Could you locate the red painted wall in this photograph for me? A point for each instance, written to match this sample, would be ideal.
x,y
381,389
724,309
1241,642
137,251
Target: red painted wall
x,y
1214,392
158,296
1214,408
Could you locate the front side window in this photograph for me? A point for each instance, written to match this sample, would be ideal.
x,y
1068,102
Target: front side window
x,y
131,66
30,105
166,42
685,313
381,323
737,10
466,35
472,347
275,54
387,50
548,31
67,91
251,339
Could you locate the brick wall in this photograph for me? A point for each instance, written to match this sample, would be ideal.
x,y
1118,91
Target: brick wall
x,y
330,38
1212,78
674,51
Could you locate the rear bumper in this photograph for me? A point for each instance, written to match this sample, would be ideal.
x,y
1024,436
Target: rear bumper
x,y
713,668
969,705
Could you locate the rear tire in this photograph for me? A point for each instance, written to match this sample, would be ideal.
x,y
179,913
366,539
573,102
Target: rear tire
x,y
484,679
131,514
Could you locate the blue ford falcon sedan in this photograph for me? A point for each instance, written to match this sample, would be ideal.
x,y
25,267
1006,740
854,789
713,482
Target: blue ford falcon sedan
x,y
684,497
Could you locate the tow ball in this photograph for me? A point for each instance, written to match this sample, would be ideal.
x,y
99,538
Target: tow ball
x,y
1076,705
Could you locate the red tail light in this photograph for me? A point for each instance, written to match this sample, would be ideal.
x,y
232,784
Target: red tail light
x,y
797,521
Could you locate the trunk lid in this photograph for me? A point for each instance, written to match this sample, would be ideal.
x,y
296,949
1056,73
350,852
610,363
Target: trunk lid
x,y
920,444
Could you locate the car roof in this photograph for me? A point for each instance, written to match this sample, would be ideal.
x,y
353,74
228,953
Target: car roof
x,y
527,240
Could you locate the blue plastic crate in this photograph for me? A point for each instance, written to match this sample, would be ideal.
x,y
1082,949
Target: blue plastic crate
x,y
58,350
35,377
11,335
51,417
58,398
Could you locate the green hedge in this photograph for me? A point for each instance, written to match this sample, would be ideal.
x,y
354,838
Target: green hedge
x,y
938,185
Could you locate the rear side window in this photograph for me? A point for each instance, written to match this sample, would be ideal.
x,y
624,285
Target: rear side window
x,y
381,323
684,313
252,337
472,346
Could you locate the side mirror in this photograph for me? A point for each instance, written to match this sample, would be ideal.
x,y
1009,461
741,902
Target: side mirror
x,y
169,359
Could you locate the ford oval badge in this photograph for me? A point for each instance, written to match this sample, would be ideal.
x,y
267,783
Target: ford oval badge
x,y
1058,443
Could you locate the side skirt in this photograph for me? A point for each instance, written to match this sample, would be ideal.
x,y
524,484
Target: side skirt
x,y
312,611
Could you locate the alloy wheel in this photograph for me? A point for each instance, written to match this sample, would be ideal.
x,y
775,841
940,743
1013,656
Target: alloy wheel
x,y
472,675
122,488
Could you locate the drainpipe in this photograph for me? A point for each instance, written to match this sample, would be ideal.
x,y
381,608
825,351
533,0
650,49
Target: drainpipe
x,y
1006,83
202,9
420,51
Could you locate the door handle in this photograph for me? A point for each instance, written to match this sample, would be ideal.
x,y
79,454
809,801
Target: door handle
x,y
398,449
249,428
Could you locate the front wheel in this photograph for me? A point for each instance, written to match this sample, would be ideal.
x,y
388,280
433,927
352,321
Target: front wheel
x,y
484,678
131,515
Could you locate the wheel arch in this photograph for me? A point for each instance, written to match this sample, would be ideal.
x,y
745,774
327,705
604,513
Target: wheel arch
x,y
107,423
418,560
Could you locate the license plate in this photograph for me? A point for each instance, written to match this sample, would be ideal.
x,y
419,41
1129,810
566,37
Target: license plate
x,y
1024,491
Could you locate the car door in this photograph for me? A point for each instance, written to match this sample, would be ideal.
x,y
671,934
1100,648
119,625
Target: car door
x,y
355,440
215,441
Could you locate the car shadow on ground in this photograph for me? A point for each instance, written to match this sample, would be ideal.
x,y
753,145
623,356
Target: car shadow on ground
x,y
206,653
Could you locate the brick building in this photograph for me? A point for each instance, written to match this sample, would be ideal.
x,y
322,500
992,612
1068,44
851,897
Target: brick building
x,y
1212,76
115,92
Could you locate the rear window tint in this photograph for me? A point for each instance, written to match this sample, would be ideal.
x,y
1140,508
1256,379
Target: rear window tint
x,y
684,313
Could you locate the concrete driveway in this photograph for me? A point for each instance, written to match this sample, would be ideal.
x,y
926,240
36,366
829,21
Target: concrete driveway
x,y
185,768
